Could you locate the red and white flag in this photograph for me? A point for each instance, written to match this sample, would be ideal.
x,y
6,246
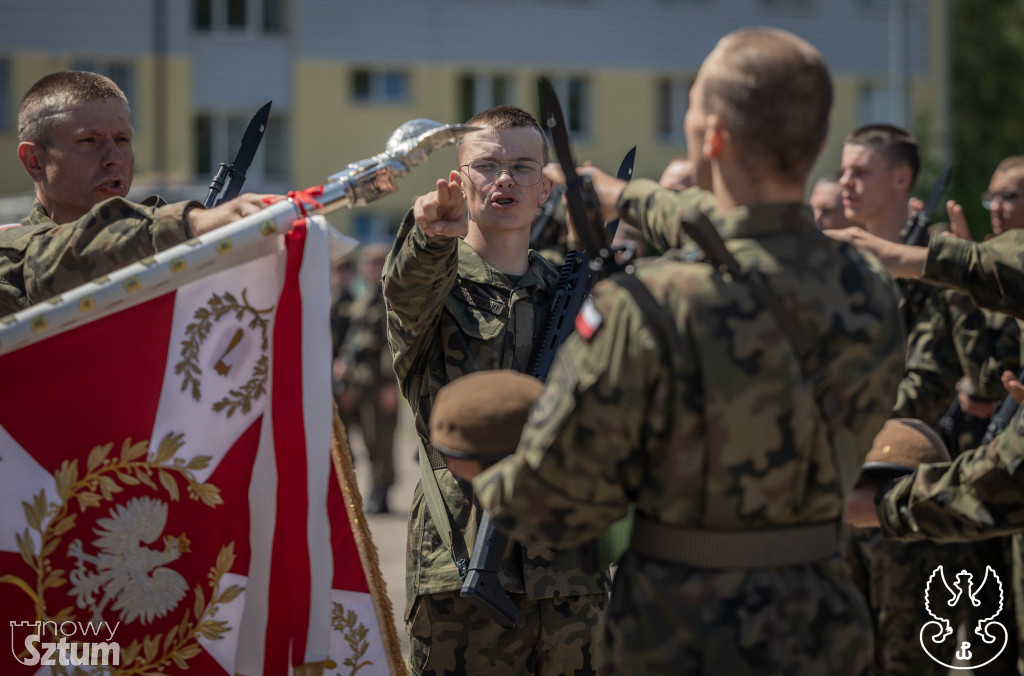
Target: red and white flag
x,y
168,496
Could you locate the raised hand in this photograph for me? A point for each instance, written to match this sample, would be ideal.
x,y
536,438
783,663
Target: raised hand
x,y
957,221
442,212
203,221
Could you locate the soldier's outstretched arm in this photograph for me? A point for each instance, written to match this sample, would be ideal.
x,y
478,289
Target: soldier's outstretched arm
x,y
420,271
38,262
979,495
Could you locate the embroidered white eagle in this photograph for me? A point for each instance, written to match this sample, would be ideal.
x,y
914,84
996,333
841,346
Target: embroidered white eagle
x,y
126,573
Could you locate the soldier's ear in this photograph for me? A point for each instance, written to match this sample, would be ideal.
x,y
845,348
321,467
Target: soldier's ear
x,y
714,137
31,158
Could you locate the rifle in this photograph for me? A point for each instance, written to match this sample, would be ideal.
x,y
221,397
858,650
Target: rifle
x,y
234,173
544,230
1002,417
916,232
579,271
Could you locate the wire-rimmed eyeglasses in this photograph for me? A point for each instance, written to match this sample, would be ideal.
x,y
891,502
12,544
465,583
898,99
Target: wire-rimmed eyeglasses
x,y
988,197
485,172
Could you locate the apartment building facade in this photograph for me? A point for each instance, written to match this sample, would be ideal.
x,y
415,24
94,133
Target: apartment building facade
x,y
343,75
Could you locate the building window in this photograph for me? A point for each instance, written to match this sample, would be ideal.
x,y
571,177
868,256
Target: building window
x,y
673,100
218,137
873,103
480,92
123,74
370,226
202,17
6,102
268,16
380,86
273,16
574,95
236,13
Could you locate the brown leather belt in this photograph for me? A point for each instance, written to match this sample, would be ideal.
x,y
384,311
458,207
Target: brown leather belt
x,y
734,549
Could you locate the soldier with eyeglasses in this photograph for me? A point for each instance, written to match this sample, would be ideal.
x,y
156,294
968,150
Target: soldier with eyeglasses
x,y
1002,199
464,293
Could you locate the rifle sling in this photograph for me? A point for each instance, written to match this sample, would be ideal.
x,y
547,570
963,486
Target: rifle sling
x,y
706,236
439,513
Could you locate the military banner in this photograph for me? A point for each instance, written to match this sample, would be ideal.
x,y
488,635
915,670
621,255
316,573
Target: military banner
x,y
168,496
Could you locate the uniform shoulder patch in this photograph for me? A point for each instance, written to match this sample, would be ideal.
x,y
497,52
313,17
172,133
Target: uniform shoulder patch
x,y
588,320
546,402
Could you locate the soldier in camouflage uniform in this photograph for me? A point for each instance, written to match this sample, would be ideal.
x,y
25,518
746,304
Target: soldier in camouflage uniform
x,y
692,405
370,390
980,494
458,305
76,144
880,164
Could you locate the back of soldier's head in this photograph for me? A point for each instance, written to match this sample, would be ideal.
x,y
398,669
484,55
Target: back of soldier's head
x,y
895,144
773,92
50,99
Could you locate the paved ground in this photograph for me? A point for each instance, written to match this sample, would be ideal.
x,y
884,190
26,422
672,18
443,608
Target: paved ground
x,y
389,530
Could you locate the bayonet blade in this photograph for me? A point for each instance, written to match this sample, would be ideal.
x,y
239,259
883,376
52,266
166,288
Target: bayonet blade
x,y
626,167
624,173
937,190
250,144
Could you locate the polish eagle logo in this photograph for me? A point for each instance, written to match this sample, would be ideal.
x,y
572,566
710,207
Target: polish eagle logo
x,y
941,600
125,573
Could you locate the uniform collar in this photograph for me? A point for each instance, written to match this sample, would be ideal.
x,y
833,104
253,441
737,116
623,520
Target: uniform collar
x,y
766,219
474,268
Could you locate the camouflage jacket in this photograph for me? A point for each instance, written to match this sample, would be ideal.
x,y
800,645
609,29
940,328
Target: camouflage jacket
x,y
945,337
980,494
716,431
949,337
450,313
988,343
39,259
365,347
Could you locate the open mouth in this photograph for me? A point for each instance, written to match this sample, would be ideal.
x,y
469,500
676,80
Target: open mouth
x,y
504,201
113,185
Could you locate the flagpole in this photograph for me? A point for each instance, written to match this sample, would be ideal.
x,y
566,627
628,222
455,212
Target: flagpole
x,y
368,555
359,184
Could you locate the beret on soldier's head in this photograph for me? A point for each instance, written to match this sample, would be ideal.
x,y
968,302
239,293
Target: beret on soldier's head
x,y
482,414
901,445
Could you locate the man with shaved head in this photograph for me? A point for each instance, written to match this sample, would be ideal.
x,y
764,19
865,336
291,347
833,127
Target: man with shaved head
x,y
733,426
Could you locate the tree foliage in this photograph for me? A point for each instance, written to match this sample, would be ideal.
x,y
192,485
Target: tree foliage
x,y
988,96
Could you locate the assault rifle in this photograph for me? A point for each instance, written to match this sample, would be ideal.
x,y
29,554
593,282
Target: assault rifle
x,y
544,231
481,585
916,232
1002,417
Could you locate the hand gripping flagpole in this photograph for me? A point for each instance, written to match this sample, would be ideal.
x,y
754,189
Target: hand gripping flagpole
x,y
357,185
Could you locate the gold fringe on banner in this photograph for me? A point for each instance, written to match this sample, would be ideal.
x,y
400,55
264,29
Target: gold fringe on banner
x,y
342,457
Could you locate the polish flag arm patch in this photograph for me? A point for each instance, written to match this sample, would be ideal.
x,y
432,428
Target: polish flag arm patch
x,y
589,319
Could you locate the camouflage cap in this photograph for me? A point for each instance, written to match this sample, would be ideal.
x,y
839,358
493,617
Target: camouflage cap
x,y
481,415
901,445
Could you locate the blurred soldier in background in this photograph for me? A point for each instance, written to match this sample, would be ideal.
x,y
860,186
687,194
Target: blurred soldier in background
x,y
370,391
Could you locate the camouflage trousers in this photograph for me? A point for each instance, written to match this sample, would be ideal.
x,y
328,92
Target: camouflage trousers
x,y
670,619
450,636
892,576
